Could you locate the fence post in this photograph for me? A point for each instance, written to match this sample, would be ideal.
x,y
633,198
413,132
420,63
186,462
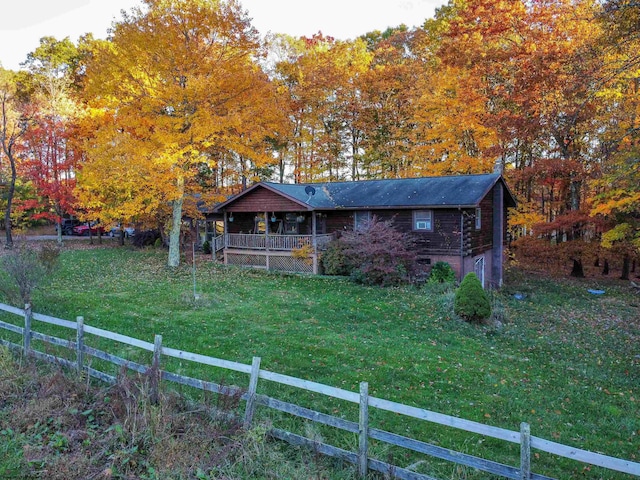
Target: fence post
x,y
363,430
154,381
525,451
79,344
27,330
251,394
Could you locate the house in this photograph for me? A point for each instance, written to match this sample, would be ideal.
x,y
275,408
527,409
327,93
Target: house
x,y
457,219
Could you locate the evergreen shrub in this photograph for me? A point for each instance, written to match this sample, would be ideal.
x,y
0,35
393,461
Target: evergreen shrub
x,y
471,301
442,272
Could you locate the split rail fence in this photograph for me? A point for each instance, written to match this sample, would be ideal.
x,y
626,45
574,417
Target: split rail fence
x,y
361,428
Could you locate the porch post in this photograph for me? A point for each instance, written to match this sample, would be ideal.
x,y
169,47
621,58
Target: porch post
x,y
497,254
314,241
225,236
266,239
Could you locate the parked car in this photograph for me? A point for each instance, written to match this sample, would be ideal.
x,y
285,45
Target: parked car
x,y
67,225
83,230
128,231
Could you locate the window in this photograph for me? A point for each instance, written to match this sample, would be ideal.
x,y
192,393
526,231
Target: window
x,y
361,219
478,219
423,220
291,224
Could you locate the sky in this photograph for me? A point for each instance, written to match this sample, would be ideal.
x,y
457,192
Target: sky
x,y
24,22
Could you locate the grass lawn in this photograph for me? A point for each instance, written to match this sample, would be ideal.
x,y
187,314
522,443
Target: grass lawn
x,y
564,360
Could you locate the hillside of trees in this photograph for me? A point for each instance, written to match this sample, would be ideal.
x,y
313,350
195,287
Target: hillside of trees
x,y
186,98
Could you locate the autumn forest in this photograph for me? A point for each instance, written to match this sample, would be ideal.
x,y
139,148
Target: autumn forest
x,y
186,100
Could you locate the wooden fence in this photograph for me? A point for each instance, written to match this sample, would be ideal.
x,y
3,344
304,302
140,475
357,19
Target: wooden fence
x,y
361,428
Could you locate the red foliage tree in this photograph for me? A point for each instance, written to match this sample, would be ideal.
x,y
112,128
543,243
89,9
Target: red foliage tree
x,y
50,165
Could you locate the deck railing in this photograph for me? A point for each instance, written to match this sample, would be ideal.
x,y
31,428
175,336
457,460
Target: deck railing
x,y
274,242
218,243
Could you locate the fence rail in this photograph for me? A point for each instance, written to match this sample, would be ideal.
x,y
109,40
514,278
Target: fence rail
x,y
362,428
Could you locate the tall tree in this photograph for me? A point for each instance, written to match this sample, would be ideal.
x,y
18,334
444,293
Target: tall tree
x,y
178,78
536,65
320,76
51,155
617,189
390,89
15,116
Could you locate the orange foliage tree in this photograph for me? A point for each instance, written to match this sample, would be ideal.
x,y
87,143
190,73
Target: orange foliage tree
x,y
319,77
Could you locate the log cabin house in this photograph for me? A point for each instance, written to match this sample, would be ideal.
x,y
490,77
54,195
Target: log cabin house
x,y
457,219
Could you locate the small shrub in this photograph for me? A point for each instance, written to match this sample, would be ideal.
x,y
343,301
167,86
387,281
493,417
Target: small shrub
x,y
380,270
303,253
435,289
206,247
334,259
498,311
471,302
48,256
146,238
441,272
25,269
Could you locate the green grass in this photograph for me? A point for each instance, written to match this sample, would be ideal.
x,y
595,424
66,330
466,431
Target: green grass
x,y
563,360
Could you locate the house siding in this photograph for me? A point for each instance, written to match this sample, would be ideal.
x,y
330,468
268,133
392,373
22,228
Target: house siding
x,y
261,200
338,221
443,240
482,240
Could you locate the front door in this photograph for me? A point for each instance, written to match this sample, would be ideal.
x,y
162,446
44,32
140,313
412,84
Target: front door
x,y
321,224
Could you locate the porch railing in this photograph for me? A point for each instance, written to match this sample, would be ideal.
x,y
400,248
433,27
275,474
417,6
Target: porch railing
x,y
218,243
273,242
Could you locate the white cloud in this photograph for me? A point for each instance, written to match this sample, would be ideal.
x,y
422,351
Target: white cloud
x,y
24,22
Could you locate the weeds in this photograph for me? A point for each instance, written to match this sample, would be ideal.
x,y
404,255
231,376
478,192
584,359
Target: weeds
x,y
52,426
25,269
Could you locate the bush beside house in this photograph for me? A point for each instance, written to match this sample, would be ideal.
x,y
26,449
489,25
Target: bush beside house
x,y
471,302
376,254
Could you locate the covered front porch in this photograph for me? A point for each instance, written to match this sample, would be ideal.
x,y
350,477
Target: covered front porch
x,y
281,241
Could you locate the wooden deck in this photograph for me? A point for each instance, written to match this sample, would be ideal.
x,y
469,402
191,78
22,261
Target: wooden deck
x,y
271,252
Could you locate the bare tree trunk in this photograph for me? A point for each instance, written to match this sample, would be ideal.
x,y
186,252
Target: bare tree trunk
x,y
13,125
176,222
10,193
60,231
626,266
577,270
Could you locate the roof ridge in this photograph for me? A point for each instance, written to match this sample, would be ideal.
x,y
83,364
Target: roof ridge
x,y
492,174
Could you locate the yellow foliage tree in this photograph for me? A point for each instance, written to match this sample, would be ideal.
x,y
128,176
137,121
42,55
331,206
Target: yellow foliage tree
x,y
177,80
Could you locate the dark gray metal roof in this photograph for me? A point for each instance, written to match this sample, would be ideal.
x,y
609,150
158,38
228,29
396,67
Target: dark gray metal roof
x,y
451,191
